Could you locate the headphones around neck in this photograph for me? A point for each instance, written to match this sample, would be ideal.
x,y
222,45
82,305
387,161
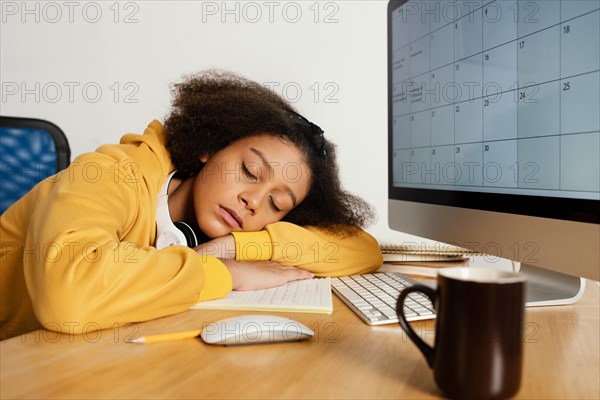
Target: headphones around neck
x,y
171,233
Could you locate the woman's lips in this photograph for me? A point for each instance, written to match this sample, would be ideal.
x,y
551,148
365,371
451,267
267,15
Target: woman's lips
x,y
231,217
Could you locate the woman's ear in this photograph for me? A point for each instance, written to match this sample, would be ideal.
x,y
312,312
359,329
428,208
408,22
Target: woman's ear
x,y
204,158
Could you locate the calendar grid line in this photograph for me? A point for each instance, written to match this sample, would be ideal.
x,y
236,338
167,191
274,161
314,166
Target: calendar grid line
x,y
496,140
504,92
501,44
490,187
560,102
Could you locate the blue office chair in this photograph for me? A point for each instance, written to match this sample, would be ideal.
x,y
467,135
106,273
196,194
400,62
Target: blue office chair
x,y
30,150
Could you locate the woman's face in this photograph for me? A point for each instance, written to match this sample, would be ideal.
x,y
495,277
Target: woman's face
x,y
251,183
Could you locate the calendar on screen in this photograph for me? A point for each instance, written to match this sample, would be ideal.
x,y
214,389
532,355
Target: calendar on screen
x,y
497,96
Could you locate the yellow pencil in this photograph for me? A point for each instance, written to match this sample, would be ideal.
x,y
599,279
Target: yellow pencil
x,y
166,337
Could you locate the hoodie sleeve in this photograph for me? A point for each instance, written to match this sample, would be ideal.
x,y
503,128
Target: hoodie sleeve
x,y
315,250
87,262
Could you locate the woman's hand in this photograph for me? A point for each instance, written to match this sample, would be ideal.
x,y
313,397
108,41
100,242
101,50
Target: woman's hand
x,y
250,275
254,275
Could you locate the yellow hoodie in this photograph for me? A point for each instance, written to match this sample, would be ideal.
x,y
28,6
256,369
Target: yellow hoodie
x,y
77,252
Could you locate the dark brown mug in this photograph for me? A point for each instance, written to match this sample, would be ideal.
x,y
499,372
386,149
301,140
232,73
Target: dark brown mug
x,y
478,346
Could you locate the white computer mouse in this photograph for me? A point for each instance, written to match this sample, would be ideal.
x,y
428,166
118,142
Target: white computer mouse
x,y
254,329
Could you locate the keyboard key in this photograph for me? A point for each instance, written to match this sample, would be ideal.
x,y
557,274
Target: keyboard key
x,y
409,313
349,294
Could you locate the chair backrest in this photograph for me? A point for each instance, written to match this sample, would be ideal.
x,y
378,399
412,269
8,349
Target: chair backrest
x,y
30,150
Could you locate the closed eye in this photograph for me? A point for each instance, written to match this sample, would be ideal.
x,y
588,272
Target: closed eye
x,y
248,174
273,205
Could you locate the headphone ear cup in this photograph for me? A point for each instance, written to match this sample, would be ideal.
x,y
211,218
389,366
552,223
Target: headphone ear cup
x,y
188,232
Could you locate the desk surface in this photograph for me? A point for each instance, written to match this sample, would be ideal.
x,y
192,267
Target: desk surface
x,y
346,359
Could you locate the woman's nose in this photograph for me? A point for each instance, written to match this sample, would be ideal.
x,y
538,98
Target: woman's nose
x,y
252,200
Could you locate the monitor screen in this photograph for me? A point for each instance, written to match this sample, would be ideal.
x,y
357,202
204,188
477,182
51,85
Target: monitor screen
x,y
497,98
494,106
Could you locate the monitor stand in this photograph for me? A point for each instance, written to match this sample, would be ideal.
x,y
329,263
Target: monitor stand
x,y
550,288
544,287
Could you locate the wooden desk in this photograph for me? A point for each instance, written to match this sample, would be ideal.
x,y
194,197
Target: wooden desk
x,y
347,359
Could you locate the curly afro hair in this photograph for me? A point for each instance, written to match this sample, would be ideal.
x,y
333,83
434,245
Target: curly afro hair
x,y
213,109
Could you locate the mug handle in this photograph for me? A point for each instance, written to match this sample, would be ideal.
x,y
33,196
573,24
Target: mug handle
x,y
427,350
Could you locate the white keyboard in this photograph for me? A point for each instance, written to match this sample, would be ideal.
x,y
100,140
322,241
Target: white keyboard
x,y
373,297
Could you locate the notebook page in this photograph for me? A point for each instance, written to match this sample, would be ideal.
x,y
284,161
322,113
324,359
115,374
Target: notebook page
x,y
307,295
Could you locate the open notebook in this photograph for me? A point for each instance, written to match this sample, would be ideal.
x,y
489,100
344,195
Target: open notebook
x,y
307,295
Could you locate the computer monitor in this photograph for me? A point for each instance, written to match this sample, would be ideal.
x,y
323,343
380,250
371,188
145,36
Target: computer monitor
x,y
494,133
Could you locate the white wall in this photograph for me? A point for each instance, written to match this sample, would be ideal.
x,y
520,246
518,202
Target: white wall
x,y
100,69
